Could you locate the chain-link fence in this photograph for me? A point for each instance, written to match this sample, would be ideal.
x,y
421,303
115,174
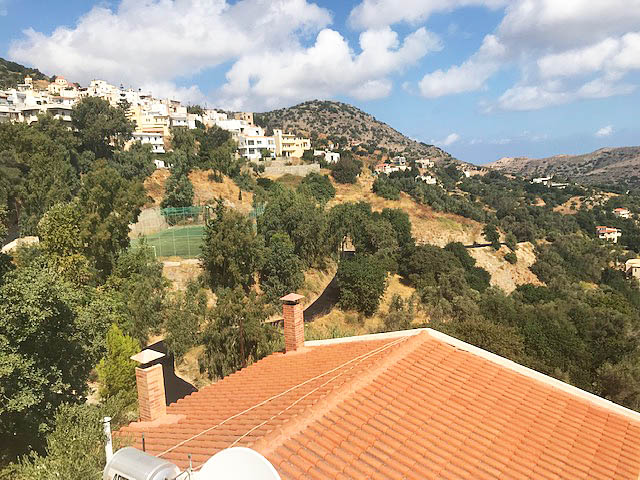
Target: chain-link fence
x,y
172,232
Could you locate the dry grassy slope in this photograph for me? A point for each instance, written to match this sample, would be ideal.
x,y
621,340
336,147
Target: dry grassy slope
x,y
205,190
503,274
571,206
438,228
604,166
338,119
429,226
351,323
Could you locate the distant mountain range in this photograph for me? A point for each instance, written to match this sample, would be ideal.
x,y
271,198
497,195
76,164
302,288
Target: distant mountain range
x,y
12,73
607,166
348,126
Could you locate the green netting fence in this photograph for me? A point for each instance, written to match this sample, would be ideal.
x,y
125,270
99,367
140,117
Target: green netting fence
x,y
172,232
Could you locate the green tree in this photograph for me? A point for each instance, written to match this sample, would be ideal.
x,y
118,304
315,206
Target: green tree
x,y
401,224
620,382
511,257
184,139
237,334
43,360
362,281
185,314
400,314
232,252
318,186
116,371
59,232
299,216
490,232
100,127
136,163
500,339
109,204
511,241
3,221
75,448
281,272
346,170
137,289
386,188
49,181
178,192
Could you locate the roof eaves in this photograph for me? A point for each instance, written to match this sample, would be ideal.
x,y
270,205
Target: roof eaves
x,y
366,338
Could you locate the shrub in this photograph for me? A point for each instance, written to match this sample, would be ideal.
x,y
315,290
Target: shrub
x,y
511,257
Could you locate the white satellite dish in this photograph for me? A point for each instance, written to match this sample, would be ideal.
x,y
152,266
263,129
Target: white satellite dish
x,y
238,463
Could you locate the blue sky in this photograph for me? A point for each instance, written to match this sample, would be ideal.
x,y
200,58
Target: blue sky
x,y
481,78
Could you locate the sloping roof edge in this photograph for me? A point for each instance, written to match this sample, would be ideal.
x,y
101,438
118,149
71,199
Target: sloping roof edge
x,y
496,359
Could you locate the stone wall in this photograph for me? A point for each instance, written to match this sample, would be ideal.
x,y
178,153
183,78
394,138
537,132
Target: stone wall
x,y
300,170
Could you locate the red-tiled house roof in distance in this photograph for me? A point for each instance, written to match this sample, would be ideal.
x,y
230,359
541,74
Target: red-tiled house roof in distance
x,y
414,404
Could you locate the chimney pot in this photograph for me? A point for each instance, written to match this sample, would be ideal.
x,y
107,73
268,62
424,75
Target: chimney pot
x,y
293,322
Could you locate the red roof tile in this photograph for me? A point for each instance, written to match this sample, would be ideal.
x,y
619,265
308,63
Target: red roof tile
x,y
420,406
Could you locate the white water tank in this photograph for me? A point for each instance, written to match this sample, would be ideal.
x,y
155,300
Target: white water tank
x,y
132,464
237,463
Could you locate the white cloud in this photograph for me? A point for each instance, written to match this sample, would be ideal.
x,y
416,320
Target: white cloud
x,y
326,68
469,76
565,50
379,13
145,42
448,140
279,51
605,131
554,92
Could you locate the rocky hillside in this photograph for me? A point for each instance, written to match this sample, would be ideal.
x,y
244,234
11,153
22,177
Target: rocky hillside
x,y
607,166
12,73
346,126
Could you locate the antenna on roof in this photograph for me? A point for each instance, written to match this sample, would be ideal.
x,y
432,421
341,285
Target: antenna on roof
x,y
238,463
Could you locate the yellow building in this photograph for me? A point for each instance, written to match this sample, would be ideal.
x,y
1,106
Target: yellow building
x,y
151,120
290,145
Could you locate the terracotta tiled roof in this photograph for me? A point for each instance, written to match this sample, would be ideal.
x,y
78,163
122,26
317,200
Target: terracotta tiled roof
x,y
402,406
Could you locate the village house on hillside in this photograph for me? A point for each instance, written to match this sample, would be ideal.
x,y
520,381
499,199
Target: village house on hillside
x,y
632,268
409,404
622,213
610,234
428,179
328,155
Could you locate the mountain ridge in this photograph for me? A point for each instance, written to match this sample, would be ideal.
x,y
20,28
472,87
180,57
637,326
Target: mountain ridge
x,y
12,73
347,126
605,166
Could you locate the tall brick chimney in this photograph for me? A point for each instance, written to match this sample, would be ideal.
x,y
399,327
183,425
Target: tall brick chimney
x,y
150,382
293,322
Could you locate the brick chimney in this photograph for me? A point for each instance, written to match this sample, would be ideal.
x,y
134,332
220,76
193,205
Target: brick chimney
x,y
293,322
150,382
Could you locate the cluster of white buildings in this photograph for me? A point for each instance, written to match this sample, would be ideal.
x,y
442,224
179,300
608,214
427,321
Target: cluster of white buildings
x,y
400,164
548,182
153,117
